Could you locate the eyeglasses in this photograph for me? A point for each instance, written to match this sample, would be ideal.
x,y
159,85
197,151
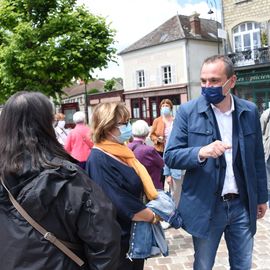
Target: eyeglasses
x,y
124,123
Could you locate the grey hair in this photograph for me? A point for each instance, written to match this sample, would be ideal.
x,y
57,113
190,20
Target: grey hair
x,y
79,117
140,129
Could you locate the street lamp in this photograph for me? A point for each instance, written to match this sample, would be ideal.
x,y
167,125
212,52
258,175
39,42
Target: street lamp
x,y
85,102
210,4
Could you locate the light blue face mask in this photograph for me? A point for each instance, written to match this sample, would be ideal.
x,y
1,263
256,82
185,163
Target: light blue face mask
x,y
125,133
165,111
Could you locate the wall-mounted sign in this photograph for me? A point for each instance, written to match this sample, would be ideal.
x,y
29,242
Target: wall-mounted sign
x,y
253,77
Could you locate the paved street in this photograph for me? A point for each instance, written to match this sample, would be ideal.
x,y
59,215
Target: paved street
x,y
181,252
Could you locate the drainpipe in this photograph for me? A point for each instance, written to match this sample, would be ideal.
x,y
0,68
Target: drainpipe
x,y
224,41
188,72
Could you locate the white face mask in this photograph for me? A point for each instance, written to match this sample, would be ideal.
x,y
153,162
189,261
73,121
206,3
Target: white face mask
x,y
61,124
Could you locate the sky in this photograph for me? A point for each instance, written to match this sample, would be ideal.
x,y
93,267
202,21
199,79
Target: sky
x,y
132,20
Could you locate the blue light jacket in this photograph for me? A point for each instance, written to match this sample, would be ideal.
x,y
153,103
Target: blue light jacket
x,y
193,128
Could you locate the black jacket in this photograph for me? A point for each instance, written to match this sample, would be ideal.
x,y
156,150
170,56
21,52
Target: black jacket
x,y
67,203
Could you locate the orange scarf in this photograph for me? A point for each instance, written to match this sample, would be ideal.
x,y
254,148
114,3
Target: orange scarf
x,y
127,156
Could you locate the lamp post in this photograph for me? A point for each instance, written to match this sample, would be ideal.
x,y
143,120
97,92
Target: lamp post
x,y
85,102
220,32
210,12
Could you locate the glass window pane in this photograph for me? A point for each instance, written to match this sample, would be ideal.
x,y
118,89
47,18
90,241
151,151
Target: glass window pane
x,y
247,45
256,40
137,113
167,76
249,26
154,110
236,29
237,44
257,25
135,108
243,27
144,110
140,78
69,115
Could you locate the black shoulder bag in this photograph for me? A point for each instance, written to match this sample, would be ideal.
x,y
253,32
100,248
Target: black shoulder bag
x,y
62,245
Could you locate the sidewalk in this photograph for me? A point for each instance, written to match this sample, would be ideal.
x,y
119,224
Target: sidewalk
x,y
181,250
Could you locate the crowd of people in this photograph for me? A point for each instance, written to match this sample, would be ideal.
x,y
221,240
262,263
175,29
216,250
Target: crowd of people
x,y
91,190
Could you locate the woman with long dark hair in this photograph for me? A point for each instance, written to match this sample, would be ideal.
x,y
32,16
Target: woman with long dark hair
x,y
56,193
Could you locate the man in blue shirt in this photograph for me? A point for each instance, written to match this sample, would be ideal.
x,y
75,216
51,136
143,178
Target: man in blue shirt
x,y
217,139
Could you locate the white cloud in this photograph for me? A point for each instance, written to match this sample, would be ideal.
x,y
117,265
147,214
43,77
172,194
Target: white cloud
x,y
134,19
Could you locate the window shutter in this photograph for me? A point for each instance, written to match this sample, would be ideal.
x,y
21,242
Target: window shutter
x,y
173,67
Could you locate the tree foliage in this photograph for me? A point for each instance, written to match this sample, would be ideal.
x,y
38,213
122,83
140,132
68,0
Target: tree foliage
x,y
44,44
93,91
109,85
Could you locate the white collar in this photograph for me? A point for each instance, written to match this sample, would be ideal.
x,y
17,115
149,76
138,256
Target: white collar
x,y
227,112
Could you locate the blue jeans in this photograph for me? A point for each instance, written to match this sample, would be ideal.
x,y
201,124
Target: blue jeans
x,y
232,219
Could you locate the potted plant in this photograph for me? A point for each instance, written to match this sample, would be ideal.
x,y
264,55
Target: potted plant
x,y
264,39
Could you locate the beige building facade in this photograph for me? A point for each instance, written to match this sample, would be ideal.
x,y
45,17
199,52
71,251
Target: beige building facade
x,y
166,64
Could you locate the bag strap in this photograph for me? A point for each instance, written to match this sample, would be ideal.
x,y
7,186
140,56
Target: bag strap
x,y
85,141
47,235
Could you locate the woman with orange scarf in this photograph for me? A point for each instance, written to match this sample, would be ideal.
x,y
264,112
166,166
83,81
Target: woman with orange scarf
x,y
113,166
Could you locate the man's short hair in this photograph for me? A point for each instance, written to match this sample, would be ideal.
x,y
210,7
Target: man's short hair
x,y
229,68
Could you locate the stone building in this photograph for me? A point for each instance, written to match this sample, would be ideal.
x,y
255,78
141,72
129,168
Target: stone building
x,y
247,23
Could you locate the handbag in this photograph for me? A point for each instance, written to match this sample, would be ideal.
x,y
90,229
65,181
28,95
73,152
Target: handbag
x,y
61,245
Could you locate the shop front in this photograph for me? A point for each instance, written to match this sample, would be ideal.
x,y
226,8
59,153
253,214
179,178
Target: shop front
x,y
144,104
254,85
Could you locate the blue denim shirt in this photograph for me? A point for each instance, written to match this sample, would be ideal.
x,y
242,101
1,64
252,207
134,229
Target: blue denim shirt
x,y
167,171
174,173
148,239
165,207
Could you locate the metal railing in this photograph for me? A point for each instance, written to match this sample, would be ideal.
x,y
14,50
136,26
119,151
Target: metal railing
x,y
251,57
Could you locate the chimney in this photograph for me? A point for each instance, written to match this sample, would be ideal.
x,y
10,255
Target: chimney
x,y
80,81
195,24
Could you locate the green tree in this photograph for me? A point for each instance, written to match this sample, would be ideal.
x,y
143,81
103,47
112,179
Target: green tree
x,y
109,85
93,91
44,44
